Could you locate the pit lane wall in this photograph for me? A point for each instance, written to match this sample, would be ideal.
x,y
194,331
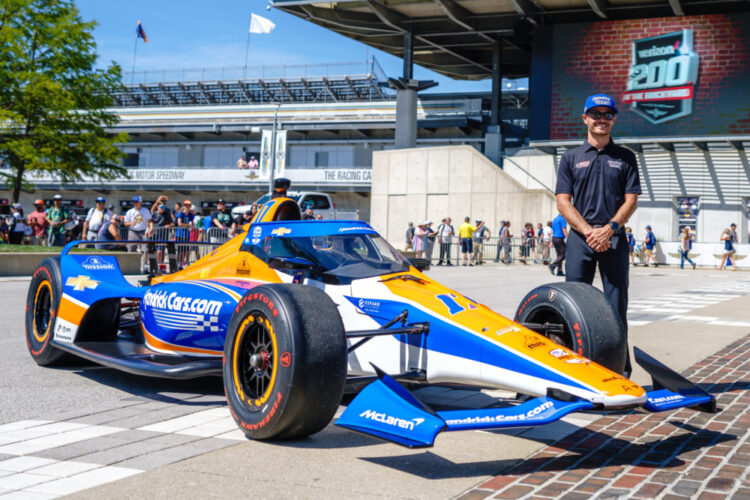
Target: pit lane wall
x,y
413,185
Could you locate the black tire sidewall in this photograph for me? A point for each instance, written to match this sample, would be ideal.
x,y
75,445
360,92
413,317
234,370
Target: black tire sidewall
x,y
299,402
596,330
47,274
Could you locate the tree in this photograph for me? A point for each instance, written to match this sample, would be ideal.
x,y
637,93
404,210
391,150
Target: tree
x,y
52,96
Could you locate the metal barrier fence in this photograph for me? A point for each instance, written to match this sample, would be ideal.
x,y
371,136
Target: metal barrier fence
x,y
188,243
517,250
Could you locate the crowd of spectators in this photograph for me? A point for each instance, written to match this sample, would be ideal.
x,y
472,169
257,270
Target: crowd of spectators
x,y
468,243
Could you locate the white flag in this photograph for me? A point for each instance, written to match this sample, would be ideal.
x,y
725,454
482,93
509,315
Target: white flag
x,y
260,24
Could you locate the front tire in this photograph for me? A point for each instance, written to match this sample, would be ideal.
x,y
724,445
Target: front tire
x,y
591,327
285,360
42,302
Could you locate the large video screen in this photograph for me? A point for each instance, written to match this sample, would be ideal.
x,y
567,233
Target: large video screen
x,y
675,76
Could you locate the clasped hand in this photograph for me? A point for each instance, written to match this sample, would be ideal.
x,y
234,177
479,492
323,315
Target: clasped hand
x,y
598,238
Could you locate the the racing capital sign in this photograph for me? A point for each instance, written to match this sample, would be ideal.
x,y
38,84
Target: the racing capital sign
x,y
662,77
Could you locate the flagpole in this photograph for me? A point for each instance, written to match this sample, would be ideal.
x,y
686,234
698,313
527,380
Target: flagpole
x,y
247,48
135,48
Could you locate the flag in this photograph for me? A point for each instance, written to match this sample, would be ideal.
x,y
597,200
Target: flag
x,y
260,24
139,33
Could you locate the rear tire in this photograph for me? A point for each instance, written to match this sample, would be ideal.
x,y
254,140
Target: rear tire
x,y
42,302
592,328
285,362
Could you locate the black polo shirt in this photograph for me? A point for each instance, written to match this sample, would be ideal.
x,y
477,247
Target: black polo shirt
x,y
598,180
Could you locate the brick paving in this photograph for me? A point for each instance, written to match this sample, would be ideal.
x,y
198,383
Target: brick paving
x,y
637,454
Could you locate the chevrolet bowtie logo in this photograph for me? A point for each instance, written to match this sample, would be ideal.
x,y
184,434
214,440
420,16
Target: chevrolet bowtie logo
x,y
281,231
81,283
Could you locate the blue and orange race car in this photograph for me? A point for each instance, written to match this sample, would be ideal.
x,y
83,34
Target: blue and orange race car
x,y
292,313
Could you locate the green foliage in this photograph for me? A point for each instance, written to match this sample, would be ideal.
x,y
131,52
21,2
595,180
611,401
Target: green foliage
x,y
52,96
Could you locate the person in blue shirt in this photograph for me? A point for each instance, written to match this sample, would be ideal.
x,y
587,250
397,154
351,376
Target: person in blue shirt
x,y
649,243
597,193
631,245
559,233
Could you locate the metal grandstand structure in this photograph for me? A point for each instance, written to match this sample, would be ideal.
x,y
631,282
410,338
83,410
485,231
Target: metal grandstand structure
x,y
309,83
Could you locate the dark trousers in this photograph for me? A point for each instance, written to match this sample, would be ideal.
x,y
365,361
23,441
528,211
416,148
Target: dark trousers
x,y
445,253
613,269
559,244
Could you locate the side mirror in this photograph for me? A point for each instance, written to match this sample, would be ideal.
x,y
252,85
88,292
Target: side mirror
x,y
299,266
420,264
289,263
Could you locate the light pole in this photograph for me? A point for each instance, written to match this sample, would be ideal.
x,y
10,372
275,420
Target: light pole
x,y
272,167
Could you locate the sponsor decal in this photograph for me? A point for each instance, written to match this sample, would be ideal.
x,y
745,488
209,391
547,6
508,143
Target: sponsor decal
x,y
552,295
612,379
369,306
577,361
508,329
95,263
161,299
561,354
662,77
64,330
286,359
615,163
281,231
243,269
665,399
583,164
532,342
354,228
502,418
81,283
386,419
257,230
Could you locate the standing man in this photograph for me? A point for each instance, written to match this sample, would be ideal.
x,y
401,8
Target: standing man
x,y
546,242
649,244
221,219
57,217
597,192
465,232
97,216
38,224
507,239
140,226
445,236
559,233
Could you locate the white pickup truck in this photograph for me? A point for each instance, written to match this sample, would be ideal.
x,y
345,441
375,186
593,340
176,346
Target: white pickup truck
x,y
320,203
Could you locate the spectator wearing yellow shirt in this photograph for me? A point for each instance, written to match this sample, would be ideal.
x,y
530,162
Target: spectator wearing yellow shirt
x,y
465,232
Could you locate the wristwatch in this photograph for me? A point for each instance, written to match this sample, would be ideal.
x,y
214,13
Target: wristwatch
x,y
614,225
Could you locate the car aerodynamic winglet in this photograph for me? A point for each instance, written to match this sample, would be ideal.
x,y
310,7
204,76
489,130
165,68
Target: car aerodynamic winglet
x,y
672,390
387,410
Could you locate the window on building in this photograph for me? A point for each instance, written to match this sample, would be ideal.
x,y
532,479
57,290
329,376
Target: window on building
x,y
131,160
321,158
687,214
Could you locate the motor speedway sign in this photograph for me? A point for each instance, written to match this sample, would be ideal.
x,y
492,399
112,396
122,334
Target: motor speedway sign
x,y
662,79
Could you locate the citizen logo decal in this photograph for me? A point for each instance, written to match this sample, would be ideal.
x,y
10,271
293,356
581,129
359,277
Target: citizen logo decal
x,y
389,420
257,230
662,77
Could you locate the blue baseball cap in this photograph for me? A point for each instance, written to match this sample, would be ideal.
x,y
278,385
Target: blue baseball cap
x,y
137,198
596,100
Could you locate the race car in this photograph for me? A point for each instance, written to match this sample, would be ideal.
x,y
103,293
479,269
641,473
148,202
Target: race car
x,y
294,313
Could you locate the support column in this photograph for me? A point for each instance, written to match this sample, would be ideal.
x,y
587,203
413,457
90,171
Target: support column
x,y
406,98
493,138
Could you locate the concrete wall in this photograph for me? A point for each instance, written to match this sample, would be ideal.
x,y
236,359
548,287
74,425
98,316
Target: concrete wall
x,y
412,185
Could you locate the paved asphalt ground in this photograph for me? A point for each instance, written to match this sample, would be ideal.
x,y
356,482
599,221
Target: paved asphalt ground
x,y
81,428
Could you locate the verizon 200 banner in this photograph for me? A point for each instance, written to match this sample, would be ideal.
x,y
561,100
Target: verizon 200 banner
x,y
670,76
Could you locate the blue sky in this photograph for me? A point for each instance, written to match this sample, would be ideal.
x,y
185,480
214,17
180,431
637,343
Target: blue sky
x,y
195,34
